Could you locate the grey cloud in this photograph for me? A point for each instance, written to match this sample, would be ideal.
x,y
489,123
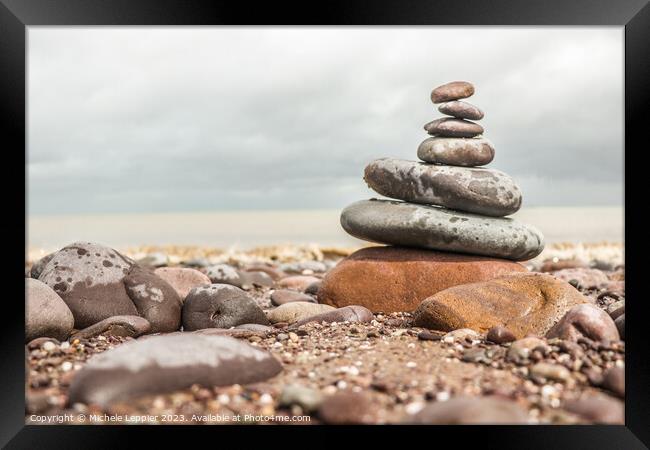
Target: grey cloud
x,y
128,119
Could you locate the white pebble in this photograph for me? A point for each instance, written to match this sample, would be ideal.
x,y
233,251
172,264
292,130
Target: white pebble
x,y
48,346
442,396
414,408
65,345
411,364
548,391
266,399
66,366
224,399
341,384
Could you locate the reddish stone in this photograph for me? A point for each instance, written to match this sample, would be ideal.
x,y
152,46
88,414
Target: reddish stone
x,y
390,279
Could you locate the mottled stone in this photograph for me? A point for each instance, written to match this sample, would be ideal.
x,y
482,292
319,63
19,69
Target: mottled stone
x,y
46,314
468,152
154,298
389,279
524,303
97,282
353,313
293,312
313,288
585,321
453,90
220,306
471,410
459,335
167,363
182,279
132,326
476,190
405,224
448,127
282,296
223,274
461,110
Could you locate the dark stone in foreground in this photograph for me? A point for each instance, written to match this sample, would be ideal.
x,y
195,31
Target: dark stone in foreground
x,y
162,364
347,408
585,321
220,306
471,410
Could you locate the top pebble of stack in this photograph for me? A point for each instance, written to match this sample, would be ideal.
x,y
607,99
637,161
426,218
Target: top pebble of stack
x,y
452,91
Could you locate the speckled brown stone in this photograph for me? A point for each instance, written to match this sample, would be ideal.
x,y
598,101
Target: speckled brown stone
x,y
453,90
397,279
523,303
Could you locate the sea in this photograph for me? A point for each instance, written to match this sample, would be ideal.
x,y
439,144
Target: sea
x,y
247,229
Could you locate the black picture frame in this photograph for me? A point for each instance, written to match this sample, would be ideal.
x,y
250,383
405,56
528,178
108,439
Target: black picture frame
x,y
16,15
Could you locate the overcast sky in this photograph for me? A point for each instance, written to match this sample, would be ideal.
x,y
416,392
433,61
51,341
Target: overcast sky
x,y
189,119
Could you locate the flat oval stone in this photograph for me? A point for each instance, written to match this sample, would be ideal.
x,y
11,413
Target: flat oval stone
x,y
166,363
389,279
461,110
282,296
132,326
220,306
293,312
453,128
296,282
487,192
524,303
452,91
468,152
405,224
354,313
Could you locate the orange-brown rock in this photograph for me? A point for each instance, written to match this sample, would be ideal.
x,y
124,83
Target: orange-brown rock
x,y
389,279
525,303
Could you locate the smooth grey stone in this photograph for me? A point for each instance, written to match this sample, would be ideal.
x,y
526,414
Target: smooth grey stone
x,y
167,363
451,127
461,110
488,192
46,314
467,152
407,224
453,90
354,313
220,306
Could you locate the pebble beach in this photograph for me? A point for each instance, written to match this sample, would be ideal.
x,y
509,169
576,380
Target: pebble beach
x,y
448,310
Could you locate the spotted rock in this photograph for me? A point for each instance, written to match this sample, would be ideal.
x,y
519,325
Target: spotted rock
x,y
97,282
476,190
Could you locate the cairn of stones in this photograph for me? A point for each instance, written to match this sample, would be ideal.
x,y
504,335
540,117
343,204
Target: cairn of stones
x,y
447,201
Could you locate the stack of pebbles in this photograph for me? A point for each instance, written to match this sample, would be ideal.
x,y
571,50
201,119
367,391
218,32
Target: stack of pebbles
x,y
447,202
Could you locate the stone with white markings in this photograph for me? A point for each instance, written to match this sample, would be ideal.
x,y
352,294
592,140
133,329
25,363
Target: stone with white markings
x,y
483,191
400,223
